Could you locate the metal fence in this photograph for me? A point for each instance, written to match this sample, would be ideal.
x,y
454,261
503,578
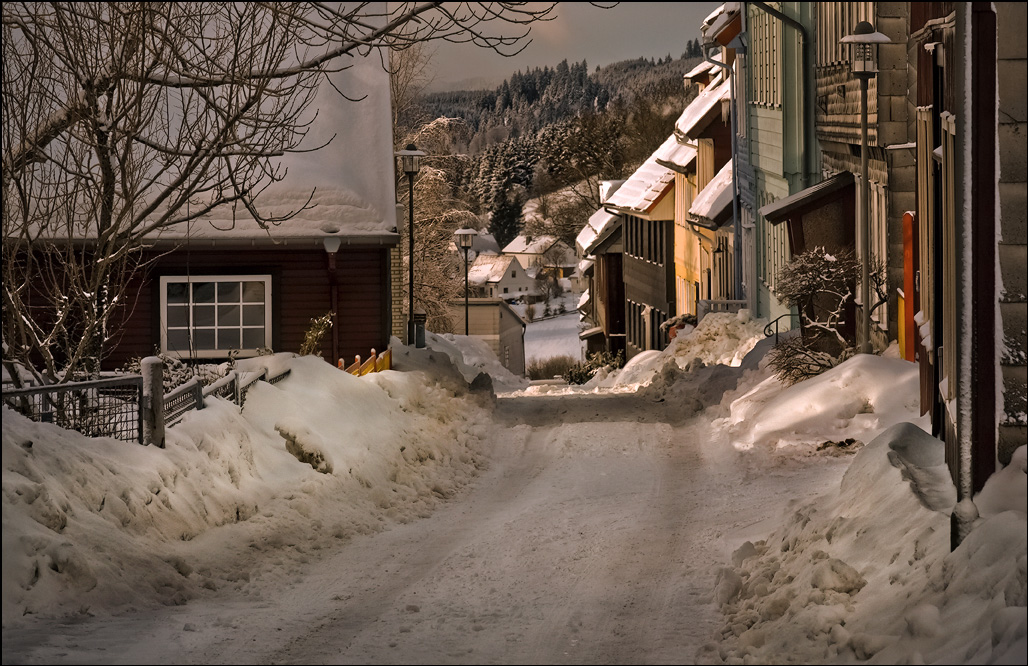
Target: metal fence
x,y
97,408
703,307
117,407
234,386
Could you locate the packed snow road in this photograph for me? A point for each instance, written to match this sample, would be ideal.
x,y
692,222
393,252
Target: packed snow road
x,y
593,535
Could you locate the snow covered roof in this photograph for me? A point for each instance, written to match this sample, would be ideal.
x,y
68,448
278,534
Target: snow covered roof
x,y
675,155
489,268
645,187
351,177
584,300
719,20
333,212
699,69
701,111
483,243
609,187
585,265
594,228
530,244
711,206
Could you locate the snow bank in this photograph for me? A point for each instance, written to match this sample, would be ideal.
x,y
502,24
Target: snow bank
x,y
473,356
855,400
866,573
721,338
95,524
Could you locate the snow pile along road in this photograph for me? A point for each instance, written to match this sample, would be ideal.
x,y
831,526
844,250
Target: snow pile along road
x,y
866,572
95,524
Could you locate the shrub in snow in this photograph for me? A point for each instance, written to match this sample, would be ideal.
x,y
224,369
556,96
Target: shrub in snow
x,y
580,373
316,331
555,366
820,286
177,371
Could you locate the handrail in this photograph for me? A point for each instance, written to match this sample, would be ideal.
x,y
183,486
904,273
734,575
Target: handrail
x,y
767,329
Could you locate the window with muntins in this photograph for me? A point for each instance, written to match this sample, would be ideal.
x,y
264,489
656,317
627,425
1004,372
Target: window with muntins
x,y
208,316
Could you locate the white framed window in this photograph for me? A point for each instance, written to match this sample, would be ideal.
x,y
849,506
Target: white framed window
x,y
208,316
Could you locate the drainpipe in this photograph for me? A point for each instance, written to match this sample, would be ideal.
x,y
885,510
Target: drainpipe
x,y
736,220
807,107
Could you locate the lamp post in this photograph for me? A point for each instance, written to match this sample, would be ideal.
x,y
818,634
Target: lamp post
x,y
410,162
864,59
465,239
332,244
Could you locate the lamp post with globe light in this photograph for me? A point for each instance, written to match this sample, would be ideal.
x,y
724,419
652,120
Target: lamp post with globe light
x,y
864,60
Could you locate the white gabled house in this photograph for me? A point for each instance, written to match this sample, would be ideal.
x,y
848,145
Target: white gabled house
x,y
545,252
500,276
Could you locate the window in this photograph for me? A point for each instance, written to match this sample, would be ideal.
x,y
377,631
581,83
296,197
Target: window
x,y
207,316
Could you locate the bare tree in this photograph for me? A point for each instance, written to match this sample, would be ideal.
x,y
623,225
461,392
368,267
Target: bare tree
x,y
121,119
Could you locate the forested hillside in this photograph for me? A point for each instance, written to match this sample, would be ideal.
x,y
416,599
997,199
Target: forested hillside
x,y
550,134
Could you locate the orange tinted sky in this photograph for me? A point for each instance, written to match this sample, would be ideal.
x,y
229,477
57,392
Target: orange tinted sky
x,y
580,31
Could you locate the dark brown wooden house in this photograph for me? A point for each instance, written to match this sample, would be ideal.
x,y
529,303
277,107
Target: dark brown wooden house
x,y
603,304
222,284
207,297
966,238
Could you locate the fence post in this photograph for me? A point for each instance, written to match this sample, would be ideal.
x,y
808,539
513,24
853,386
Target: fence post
x,y
152,369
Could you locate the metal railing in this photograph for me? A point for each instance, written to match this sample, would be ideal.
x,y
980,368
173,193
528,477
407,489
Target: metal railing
x,y
773,324
117,407
704,307
234,386
97,408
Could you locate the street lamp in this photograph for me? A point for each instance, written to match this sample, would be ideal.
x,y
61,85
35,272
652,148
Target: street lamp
x,y
465,239
864,58
332,244
410,162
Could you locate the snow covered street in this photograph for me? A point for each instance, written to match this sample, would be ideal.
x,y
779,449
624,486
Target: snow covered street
x,y
647,520
592,536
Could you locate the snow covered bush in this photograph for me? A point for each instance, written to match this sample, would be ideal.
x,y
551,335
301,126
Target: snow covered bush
x,y
820,285
582,372
177,371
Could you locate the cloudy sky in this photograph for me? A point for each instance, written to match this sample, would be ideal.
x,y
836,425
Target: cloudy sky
x,y
579,31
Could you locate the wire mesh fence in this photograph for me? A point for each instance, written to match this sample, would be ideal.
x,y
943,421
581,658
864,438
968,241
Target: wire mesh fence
x,y
98,408
115,407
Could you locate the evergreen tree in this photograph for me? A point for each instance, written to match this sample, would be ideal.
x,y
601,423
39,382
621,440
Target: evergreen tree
x,y
506,219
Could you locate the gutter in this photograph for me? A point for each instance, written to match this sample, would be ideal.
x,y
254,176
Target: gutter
x,y
736,220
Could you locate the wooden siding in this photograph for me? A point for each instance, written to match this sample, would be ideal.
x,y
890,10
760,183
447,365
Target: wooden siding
x,y
766,140
301,291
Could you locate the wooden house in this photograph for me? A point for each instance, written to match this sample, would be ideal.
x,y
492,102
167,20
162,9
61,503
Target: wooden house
x,y
603,302
700,154
546,253
965,238
890,156
500,276
646,204
778,153
222,285
493,321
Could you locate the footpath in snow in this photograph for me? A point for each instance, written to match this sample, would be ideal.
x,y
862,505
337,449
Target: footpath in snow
x,y
686,508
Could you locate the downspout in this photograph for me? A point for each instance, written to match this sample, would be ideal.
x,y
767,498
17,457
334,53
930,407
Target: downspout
x,y
736,219
807,106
